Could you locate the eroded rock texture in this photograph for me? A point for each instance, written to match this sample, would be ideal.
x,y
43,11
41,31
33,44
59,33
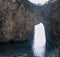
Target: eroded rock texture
x,y
52,21
18,17
17,20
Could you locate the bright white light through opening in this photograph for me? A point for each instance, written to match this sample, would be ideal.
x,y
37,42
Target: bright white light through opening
x,y
42,2
39,35
39,40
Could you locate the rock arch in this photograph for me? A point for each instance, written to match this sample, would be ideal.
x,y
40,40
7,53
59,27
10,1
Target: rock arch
x,y
18,18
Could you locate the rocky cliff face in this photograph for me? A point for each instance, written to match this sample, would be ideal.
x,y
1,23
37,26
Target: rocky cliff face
x,y
18,17
17,20
52,21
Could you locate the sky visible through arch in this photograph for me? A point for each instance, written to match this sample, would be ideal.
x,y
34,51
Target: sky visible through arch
x,y
42,2
39,41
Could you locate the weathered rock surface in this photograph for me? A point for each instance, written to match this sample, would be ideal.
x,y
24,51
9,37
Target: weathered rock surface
x,y
52,21
17,20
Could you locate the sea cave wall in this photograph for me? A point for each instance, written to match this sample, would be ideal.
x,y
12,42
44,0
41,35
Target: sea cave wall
x,y
51,21
17,20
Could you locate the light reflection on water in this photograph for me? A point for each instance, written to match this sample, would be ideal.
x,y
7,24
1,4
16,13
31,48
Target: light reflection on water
x,y
39,41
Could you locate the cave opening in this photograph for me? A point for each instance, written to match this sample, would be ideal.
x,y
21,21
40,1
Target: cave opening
x,y
23,15
39,40
41,2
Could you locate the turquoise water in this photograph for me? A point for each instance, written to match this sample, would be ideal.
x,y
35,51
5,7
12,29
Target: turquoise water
x,y
35,47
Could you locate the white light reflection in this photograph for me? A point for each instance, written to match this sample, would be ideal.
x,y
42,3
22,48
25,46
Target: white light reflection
x,y
42,2
39,41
